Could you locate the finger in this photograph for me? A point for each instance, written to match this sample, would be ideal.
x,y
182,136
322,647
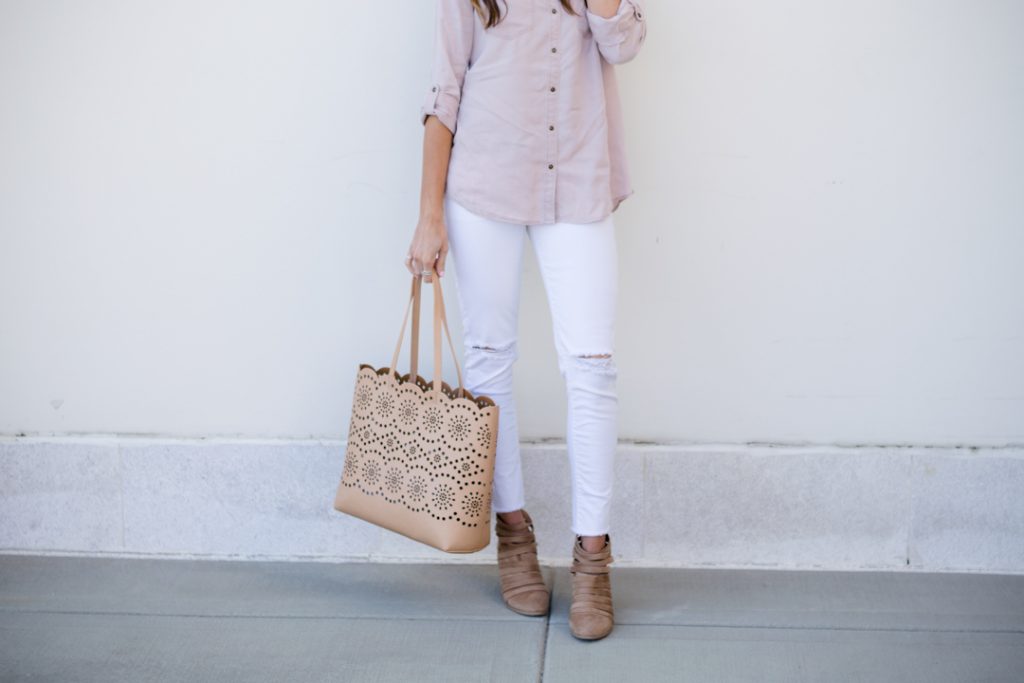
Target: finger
x,y
441,258
420,267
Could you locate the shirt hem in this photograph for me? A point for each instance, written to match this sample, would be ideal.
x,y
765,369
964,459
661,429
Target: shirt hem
x,y
486,213
621,198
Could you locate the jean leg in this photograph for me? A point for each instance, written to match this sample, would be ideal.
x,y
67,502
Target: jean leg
x,y
487,256
579,267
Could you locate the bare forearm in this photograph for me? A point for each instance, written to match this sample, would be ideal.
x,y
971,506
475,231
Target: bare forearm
x,y
604,8
437,149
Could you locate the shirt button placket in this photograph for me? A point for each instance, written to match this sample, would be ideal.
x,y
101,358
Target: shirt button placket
x,y
552,114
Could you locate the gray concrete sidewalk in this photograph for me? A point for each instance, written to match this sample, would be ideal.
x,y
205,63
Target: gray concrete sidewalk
x,y
114,619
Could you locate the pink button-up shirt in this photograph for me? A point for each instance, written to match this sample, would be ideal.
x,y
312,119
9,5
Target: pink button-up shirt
x,y
533,105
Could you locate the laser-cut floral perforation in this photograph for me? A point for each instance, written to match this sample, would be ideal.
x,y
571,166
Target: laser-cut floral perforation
x,y
434,456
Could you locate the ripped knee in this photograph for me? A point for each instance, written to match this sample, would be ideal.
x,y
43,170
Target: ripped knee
x,y
508,349
601,363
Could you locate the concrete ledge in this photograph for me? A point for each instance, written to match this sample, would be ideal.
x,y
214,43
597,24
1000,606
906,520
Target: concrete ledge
x,y
676,505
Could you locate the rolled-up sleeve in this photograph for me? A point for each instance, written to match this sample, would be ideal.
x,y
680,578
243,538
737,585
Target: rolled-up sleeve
x,y
620,36
453,47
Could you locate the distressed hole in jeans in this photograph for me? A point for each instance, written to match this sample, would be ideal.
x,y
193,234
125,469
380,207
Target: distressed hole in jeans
x,y
601,363
492,350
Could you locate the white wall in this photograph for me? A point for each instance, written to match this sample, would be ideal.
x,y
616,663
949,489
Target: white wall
x,y
204,207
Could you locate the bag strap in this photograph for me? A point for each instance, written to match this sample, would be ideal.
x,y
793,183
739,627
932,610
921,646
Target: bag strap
x,y
440,320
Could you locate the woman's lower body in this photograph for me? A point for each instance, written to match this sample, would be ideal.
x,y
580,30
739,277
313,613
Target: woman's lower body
x,y
579,268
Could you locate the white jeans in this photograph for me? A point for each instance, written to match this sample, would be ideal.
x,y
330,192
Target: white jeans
x,y
579,268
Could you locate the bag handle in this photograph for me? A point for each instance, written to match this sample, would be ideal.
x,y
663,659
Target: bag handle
x,y
440,319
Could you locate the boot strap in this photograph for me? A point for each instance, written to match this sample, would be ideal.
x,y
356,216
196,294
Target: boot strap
x,y
517,558
521,583
516,544
527,587
590,596
516,536
507,553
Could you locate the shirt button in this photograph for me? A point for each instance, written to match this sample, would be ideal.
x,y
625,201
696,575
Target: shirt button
x,y
550,166
554,49
554,11
434,89
552,88
551,127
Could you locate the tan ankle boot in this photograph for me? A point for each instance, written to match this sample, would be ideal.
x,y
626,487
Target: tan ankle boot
x,y
591,615
522,584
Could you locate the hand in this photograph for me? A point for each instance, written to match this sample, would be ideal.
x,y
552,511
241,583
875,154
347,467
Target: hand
x,y
429,248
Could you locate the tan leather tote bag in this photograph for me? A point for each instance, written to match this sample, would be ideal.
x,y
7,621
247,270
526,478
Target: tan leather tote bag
x,y
420,456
